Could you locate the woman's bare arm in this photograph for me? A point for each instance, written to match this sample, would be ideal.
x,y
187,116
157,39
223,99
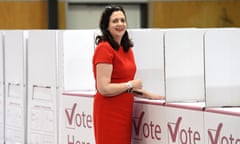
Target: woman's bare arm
x,y
104,85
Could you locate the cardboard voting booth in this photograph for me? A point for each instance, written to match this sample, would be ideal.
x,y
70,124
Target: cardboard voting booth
x,y
15,87
76,100
77,118
148,122
222,67
184,123
42,87
2,95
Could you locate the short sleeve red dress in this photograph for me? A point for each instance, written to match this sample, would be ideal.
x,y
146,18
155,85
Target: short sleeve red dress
x,y
113,115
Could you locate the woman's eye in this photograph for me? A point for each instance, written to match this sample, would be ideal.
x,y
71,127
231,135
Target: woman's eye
x,y
118,20
115,21
123,20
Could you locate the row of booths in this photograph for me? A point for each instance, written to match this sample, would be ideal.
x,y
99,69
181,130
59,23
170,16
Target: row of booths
x,y
47,86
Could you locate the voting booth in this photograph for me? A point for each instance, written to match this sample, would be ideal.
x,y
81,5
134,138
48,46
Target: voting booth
x,y
42,87
145,127
184,123
2,106
76,124
76,100
15,86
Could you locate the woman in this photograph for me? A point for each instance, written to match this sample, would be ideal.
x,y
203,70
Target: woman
x,y
114,69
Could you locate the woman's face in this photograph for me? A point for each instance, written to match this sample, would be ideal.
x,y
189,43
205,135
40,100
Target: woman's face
x,y
117,25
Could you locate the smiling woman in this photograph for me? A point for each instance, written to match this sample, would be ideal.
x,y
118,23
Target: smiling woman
x,y
114,71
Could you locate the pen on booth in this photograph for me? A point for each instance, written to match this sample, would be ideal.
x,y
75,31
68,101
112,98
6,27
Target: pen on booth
x,y
135,92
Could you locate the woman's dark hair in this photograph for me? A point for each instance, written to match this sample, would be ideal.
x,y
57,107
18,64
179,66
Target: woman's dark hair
x,y
106,36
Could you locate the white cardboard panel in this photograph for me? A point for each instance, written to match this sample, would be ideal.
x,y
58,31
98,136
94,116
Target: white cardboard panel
x,y
222,125
184,65
157,123
149,57
222,67
42,86
148,123
42,60
76,118
184,125
15,88
78,51
2,108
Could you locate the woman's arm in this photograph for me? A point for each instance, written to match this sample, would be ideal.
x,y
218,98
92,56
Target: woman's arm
x,y
104,85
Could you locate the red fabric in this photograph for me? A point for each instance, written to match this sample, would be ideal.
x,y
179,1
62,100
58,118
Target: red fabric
x,y
113,115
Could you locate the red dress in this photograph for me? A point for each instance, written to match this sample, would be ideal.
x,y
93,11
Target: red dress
x,y
113,115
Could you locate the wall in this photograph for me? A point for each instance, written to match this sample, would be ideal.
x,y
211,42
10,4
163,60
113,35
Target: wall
x,y
162,14
62,14
23,15
77,16
28,14
195,14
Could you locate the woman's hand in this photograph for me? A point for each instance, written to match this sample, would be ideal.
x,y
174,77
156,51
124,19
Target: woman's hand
x,y
155,96
149,95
